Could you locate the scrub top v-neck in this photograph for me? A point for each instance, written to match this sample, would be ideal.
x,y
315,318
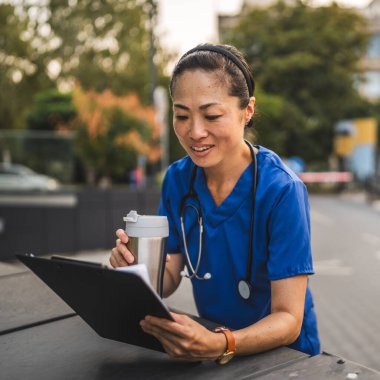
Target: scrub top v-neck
x,y
281,241
217,214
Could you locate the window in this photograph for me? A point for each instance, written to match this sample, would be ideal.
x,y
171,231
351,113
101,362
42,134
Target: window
x,y
370,87
374,46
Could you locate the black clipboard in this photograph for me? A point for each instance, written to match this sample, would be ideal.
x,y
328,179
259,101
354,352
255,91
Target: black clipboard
x,y
111,302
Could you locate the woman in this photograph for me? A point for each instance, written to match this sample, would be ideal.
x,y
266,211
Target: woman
x,y
254,248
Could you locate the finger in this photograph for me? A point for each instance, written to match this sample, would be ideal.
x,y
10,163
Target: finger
x,y
124,252
112,261
180,318
176,347
167,258
170,342
122,236
117,259
171,347
163,326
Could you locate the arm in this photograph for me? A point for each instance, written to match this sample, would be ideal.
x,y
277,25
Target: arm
x,y
172,277
187,339
283,325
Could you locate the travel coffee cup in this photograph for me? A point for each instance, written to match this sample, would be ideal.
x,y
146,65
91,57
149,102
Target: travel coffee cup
x,y
147,237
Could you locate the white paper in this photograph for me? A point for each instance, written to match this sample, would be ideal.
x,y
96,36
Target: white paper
x,y
139,269
142,271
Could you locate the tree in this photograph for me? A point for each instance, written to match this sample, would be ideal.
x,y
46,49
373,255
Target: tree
x,y
272,129
101,44
111,131
308,56
51,110
22,73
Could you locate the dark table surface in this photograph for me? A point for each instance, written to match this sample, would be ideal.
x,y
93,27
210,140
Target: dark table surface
x,y
41,339
26,300
69,349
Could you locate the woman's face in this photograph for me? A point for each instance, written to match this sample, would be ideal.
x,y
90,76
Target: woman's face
x,y
208,122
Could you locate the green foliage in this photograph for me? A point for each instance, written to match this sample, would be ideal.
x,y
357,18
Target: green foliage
x,y
308,56
103,44
279,124
97,44
22,73
51,110
103,154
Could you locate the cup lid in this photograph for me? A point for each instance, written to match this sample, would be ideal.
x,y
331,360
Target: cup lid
x,y
146,225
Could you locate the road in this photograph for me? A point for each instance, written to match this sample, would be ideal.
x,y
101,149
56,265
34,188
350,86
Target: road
x,y
346,286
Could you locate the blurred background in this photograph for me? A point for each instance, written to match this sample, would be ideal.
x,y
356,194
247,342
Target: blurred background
x,y
85,128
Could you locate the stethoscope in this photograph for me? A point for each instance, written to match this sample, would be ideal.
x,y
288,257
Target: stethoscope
x,y
244,285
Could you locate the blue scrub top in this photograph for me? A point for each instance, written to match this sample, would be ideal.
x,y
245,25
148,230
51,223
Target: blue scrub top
x,y
281,241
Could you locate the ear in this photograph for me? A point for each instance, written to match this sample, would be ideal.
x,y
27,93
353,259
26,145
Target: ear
x,y
250,109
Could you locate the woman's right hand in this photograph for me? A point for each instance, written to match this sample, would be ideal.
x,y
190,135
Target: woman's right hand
x,y
120,255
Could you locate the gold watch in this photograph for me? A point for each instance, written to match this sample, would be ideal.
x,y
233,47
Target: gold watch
x,y
230,352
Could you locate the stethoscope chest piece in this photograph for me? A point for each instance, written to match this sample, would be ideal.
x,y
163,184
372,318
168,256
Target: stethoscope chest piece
x,y
244,289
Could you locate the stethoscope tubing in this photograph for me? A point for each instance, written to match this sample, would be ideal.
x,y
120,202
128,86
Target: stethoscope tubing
x,y
244,285
252,222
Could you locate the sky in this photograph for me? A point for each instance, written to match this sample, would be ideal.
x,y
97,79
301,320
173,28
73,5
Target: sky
x,y
182,24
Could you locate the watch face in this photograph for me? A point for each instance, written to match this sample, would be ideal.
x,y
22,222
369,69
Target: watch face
x,y
225,358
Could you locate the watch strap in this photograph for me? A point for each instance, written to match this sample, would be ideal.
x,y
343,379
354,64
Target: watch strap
x,y
231,347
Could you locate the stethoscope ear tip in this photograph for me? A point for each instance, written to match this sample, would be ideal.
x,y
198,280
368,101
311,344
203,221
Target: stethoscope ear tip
x,y
206,276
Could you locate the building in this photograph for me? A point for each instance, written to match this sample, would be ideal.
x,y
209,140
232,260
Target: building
x,y
370,65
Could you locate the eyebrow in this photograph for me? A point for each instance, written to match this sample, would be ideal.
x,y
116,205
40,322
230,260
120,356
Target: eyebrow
x,y
202,107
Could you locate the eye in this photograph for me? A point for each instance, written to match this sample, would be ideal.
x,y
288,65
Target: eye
x,y
212,117
181,117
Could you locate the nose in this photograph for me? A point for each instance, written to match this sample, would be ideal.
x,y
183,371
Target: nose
x,y
197,129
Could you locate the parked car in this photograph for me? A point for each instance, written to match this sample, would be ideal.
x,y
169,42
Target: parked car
x,y
15,177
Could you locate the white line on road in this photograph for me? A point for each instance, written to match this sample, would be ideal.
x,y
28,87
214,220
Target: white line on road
x,y
317,217
332,267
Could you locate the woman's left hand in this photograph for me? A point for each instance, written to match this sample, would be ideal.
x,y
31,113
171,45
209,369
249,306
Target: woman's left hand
x,y
184,338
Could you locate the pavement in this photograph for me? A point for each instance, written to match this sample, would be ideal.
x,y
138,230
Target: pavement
x,y
346,285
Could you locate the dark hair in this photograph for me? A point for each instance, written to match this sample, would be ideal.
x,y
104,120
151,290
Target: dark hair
x,y
223,58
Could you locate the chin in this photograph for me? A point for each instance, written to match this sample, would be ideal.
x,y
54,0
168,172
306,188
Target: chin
x,y
203,162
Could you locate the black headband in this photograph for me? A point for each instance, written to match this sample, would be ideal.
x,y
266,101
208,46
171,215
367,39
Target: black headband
x,y
230,56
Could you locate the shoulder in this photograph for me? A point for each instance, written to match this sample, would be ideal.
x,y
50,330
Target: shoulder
x,y
179,169
275,177
271,163
178,175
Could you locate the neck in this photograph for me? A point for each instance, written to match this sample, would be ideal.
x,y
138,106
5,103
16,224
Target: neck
x,y
222,179
232,167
